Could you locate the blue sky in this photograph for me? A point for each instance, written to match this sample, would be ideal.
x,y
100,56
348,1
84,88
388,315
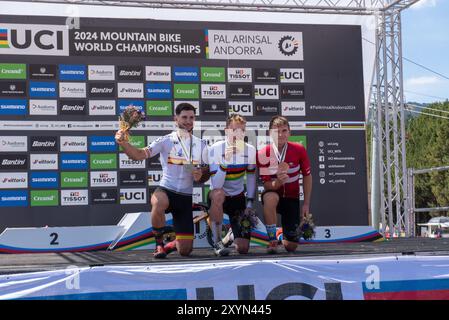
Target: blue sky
x,y
425,32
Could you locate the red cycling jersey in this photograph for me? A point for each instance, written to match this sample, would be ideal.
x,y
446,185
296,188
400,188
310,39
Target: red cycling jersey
x,y
297,159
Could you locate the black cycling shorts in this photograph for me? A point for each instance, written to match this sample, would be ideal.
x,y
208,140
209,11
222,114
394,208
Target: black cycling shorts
x,y
180,206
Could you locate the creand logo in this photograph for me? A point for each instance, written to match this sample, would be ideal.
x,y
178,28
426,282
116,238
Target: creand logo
x,y
38,39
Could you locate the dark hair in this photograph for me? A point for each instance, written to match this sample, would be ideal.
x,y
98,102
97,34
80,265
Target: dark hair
x,y
184,106
278,121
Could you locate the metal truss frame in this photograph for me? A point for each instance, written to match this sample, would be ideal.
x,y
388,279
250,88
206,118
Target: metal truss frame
x,y
391,198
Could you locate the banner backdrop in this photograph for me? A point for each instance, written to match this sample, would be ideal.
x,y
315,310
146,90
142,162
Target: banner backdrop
x,y
377,278
61,91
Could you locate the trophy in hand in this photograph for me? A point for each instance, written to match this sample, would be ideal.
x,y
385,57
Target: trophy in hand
x,y
130,118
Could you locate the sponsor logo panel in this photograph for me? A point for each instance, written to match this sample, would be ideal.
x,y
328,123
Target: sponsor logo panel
x,y
40,89
44,198
159,108
127,163
43,107
213,74
72,72
74,179
213,108
123,104
136,141
186,91
158,91
103,161
104,196
133,178
13,71
74,161
14,162
74,198
244,108
13,107
133,196
42,71
292,75
101,72
73,143
240,75
130,73
13,180
101,89
130,90
266,75
44,143
292,92
72,107
102,144
44,180
240,91
13,89
293,108
102,107
266,92
103,179
267,108
43,161
185,74
13,198
213,91
157,73
154,178
13,143
72,90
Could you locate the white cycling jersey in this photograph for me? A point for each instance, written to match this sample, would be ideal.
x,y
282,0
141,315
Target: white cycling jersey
x,y
174,156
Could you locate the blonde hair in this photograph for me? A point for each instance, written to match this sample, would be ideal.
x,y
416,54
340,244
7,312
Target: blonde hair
x,y
235,118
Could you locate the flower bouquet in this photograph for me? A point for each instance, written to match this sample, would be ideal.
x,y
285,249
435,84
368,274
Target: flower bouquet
x,y
307,227
130,118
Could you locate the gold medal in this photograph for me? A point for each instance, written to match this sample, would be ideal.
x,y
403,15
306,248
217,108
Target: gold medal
x,y
283,166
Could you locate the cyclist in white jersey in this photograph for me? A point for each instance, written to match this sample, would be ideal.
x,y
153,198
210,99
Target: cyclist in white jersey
x,y
229,161
184,159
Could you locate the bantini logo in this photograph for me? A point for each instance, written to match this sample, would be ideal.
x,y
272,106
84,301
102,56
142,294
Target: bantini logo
x,y
288,45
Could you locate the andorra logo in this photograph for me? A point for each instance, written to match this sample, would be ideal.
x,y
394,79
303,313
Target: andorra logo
x,y
288,45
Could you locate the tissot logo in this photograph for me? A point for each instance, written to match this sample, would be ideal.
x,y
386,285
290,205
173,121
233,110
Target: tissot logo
x,y
130,90
132,178
74,198
72,89
43,161
101,89
239,75
104,196
103,179
244,108
72,107
39,39
292,75
213,91
44,143
101,72
42,71
240,91
11,180
265,108
43,107
14,161
292,92
266,75
127,163
13,89
130,73
133,196
266,92
213,108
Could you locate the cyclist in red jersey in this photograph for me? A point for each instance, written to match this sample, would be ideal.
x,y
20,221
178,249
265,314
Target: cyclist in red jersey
x,y
280,165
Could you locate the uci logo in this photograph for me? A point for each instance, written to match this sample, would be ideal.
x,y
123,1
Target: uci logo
x,y
35,39
334,125
241,108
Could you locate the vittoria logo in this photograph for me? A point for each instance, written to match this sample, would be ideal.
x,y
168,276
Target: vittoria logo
x,y
157,73
11,180
101,107
130,90
75,143
293,108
